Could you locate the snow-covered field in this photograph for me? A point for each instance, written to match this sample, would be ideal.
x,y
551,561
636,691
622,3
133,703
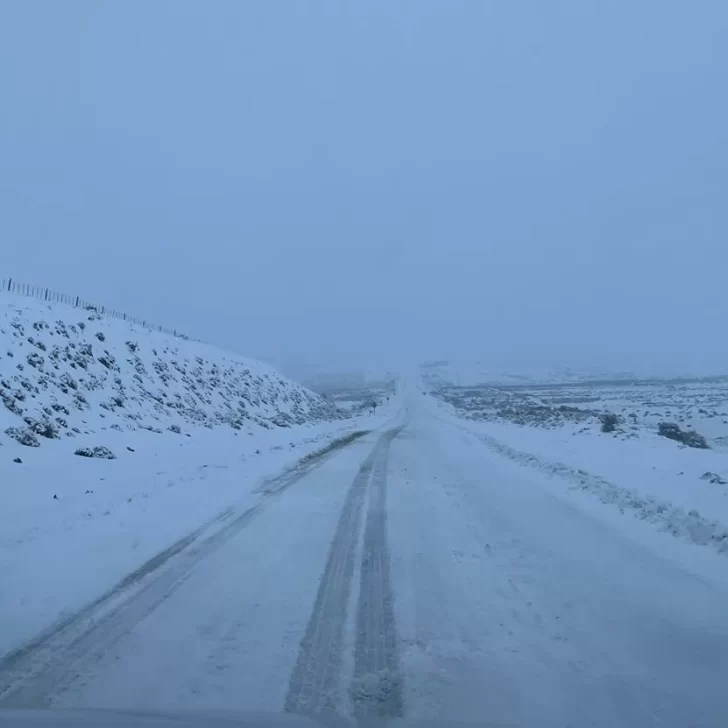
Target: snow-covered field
x,y
478,552
192,430
415,572
559,429
463,373
357,400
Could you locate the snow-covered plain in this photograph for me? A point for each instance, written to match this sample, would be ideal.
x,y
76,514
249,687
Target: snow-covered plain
x,y
192,429
466,373
557,428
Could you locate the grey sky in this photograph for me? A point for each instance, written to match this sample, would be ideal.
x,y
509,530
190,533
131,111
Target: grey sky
x,y
359,182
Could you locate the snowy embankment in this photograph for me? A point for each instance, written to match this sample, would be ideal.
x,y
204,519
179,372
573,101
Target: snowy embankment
x,y
192,430
681,490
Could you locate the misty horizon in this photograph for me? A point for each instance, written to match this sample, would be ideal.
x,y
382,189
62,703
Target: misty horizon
x,y
367,187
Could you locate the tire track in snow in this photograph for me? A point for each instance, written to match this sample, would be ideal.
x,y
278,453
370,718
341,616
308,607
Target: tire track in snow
x,y
377,686
314,685
31,675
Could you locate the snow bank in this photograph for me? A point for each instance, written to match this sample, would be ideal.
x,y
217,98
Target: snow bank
x,y
674,487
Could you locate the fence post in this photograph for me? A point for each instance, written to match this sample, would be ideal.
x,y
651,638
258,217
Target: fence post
x,y
46,294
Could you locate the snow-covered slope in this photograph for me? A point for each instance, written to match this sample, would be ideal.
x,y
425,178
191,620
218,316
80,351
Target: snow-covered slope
x,y
65,372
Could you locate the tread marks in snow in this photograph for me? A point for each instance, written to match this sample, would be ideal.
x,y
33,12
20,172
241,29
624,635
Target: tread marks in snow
x,y
314,681
32,674
377,686
314,685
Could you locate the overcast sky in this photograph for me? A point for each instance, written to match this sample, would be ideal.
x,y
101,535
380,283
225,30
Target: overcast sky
x,y
349,183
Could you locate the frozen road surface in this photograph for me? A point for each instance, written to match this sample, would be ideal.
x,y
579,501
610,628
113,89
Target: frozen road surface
x,y
411,573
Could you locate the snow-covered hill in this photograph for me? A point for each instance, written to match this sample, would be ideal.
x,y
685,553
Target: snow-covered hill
x,y
66,372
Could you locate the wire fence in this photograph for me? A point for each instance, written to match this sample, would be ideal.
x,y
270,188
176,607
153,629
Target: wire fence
x,y
46,294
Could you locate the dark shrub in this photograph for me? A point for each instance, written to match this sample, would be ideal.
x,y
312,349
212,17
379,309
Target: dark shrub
x,y
687,437
96,452
609,421
23,436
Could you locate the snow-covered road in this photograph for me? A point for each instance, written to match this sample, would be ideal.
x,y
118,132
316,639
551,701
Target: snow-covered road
x,y
412,572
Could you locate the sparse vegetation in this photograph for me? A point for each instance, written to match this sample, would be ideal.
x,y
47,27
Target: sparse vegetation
x,y
609,421
674,408
23,435
100,451
72,389
687,437
714,478
43,427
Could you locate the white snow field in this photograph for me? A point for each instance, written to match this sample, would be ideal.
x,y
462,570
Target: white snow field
x,y
557,428
192,431
413,571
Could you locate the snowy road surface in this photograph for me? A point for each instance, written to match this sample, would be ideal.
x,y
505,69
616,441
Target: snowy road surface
x,y
413,572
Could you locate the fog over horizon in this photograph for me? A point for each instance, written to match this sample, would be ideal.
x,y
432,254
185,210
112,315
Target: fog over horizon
x,y
368,185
